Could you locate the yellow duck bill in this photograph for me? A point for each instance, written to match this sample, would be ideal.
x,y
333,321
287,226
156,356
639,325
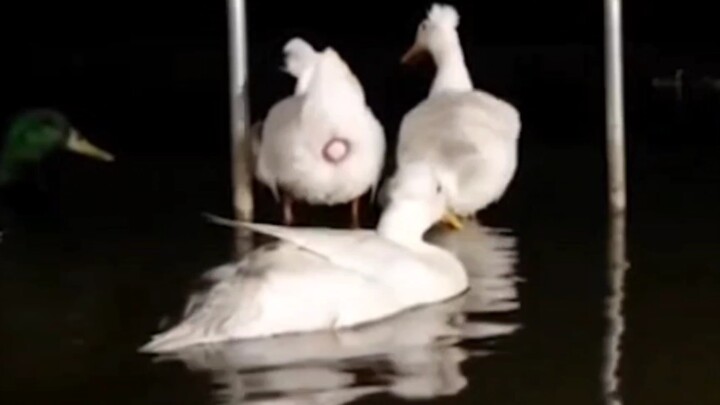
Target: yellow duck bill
x,y
78,144
415,55
451,220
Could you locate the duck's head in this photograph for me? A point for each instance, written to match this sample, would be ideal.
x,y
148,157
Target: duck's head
x,y
35,135
436,34
300,59
415,200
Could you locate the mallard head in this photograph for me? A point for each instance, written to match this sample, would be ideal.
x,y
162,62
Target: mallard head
x,y
35,135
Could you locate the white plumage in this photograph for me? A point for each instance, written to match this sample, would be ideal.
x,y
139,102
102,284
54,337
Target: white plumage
x,y
323,145
470,133
321,279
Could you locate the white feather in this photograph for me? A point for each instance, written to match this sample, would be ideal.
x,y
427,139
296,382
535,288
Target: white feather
x,y
444,15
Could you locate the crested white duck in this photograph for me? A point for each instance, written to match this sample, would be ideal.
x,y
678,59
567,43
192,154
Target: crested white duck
x,y
324,279
322,145
472,134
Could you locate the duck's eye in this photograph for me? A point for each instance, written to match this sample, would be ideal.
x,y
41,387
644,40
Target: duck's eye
x,y
438,189
423,26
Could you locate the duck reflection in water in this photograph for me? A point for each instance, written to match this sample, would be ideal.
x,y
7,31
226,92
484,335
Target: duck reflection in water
x,y
415,355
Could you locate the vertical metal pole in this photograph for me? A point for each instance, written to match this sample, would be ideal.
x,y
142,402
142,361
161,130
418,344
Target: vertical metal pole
x,y
241,144
242,156
614,105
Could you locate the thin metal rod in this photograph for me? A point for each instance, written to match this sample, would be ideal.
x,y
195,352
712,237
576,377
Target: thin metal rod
x,y
614,105
241,144
242,156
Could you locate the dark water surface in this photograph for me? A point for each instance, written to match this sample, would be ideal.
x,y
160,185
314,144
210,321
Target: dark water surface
x,y
81,293
549,319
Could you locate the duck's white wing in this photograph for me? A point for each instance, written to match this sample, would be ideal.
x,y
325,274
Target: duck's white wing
x,y
277,289
413,277
359,250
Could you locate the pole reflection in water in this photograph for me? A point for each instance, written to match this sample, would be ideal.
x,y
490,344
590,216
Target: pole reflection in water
x,y
617,267
415,355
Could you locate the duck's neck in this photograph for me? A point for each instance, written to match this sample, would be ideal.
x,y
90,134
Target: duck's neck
x,y
403,225
10,169
452,73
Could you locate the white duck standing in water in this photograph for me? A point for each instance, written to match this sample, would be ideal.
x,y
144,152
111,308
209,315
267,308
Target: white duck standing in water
x,y
323,145
326,279
469,133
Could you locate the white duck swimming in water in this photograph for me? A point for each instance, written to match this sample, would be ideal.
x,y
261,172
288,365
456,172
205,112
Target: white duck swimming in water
x,y
323,279
471,134
323,145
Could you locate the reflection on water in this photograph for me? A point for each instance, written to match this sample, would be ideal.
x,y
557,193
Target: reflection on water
x,y
489,255
416,355
617,267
